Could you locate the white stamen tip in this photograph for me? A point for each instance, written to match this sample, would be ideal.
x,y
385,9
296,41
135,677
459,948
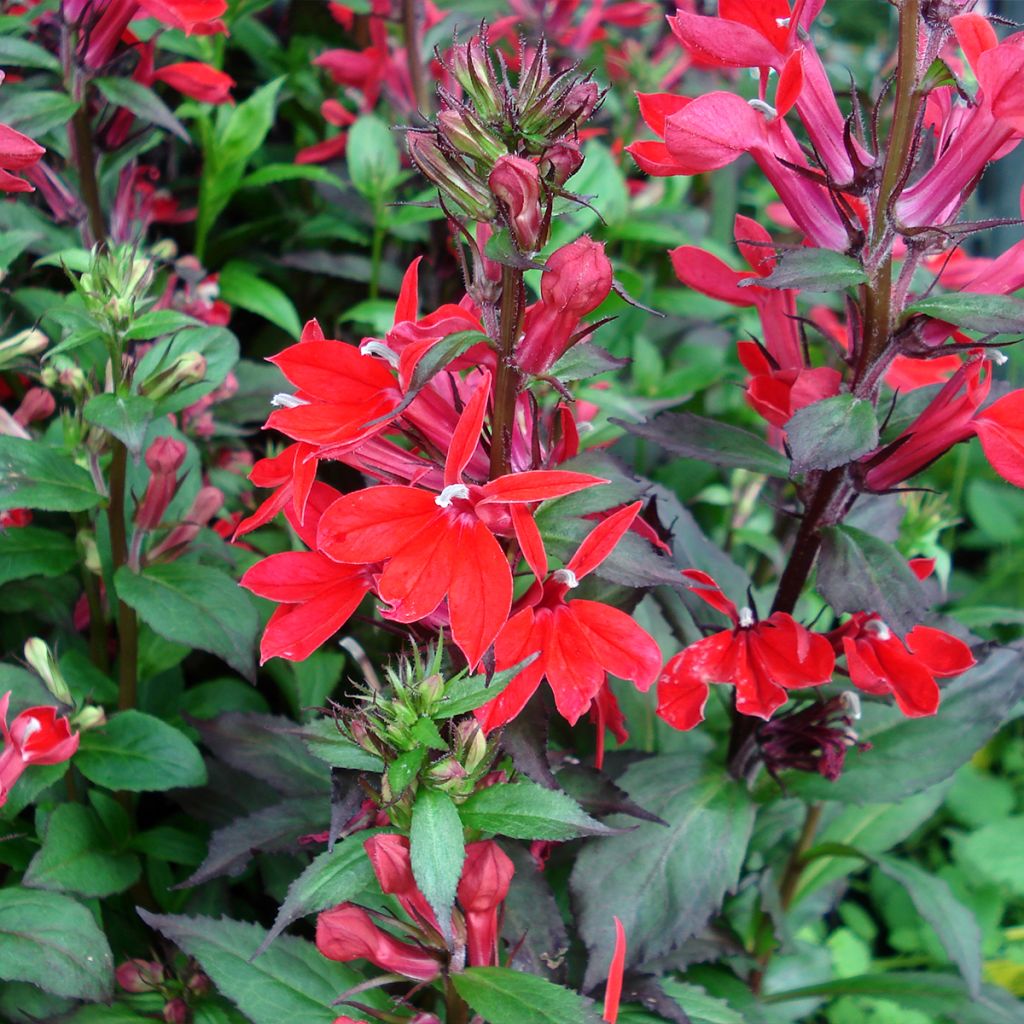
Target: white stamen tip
x,y
851,701
879,627
746,618
32,726
764,108
450,493
566,576
372,347
783,22
286,401
999,358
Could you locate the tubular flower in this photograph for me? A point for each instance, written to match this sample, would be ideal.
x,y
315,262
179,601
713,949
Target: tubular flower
x,y
577,642
36,736
486,877
762,659
17,153
880,663
444,545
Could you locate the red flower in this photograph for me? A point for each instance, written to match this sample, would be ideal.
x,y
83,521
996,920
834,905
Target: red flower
x,y
880,663
17,152
444,545
1000,428
197,80
578,642
291,474
36,736
486,877
516,182
761,659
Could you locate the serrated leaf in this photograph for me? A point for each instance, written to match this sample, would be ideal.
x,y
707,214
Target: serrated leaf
x,y
585,360
291,981
126,417
239,285
34,475
663,883
524,810
195,605
332,878
54,942
142,102
79,856
831,433
32,551
858,572
812,270
721,444
504,996
323,740
974,311
437,851
471,692
139,753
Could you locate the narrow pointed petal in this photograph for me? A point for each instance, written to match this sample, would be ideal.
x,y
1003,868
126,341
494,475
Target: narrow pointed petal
x,y
419,575
530,542
613,989
375,523
408,296
466,437
291,577
623,647
710,592
519,638
656,106
537,485
683,685
295,631
601,541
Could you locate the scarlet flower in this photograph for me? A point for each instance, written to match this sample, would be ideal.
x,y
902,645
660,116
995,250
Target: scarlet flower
x,y
390,857
880,663
333,113
36,736
577,642
291,473
1000,428
762,659
486,877
444,545
17,153
776,394
197,80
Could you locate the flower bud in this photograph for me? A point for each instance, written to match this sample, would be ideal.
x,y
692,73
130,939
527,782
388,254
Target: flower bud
x,y
560,162
176,1012
38,404
452,177
577,278
137,976
581,101
469,136
516,182
89,551
199,983
471,65
163,458
188,368
41,659
90,717
472,742
25,343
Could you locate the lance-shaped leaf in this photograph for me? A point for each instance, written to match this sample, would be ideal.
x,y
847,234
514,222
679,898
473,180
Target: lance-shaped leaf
x,y
524,810
33,551
34,475
831,433
811,270
437,851
126,417
696,437
504,996
142,102
468,693
974,311
663,883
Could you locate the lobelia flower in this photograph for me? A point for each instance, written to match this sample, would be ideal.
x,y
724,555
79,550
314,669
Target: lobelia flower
x,y
762,659
486,877
36,736
292,474
880,663
444,545
17,153
577,642
338,115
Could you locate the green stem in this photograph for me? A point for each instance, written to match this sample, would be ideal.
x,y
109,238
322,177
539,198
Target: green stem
x,y
127,624
507,383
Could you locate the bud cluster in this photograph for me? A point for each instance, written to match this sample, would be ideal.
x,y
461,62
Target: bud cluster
x,y
501,153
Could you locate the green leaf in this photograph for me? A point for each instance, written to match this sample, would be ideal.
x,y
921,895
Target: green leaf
x,y
158,322
437,850
323,740
995,853
663,883
33,551
954,925
812,270
859,572
126,417
54,942
139,753
273,174
78,855
334,877
468,693
373,161
142,102
36,112
909,755
721,444
195,605
505,996
405,768
20,53
240,286
217,345
974,311
14,243
291,981
524,810
34,475
831,433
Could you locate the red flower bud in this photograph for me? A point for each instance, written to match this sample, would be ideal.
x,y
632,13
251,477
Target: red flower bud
x,y
139,975
163,458
577,277
389,855
486,876
516,182
560,162
38,404
176,1012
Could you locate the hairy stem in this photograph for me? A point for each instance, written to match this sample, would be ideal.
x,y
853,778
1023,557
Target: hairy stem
x,y
507,383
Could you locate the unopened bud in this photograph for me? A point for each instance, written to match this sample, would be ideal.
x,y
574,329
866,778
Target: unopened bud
x,y
41,659
89,551
451,175
469,136
577,277
472,742
25,343
164,250
471,65
198,983
176,1012
137,976
581,101
446,772
560,162
432,689
90,717
163,458
516,182
188,368
38,404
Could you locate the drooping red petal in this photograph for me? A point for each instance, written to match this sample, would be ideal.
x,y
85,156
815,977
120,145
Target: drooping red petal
x,y
714,130
373,524
791,83
708,275
420,574
910,681
623,647
721,41
518,639
652,157
536,485
573,667
295,631
601,541
791,655
291,577
756,245
1000,428
529,539
613,990
711,593
656,106
408,295
683,684
334,371
944,655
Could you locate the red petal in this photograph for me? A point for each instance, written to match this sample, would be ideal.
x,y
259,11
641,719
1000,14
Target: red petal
x,y
791,82
944,655
334,424
653,158
292,577
708,275
719,40
683,685
656,106
334,371
711,593
321,152
866,672
613,990
912,685
517,640
530,542
295,631
714,130
481,591
623,647
373,524
760,256
1000,429
601,541
791,654
408,296
419,576
466,436
975,35
311,331
573,667
536,485
758,690
321,497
